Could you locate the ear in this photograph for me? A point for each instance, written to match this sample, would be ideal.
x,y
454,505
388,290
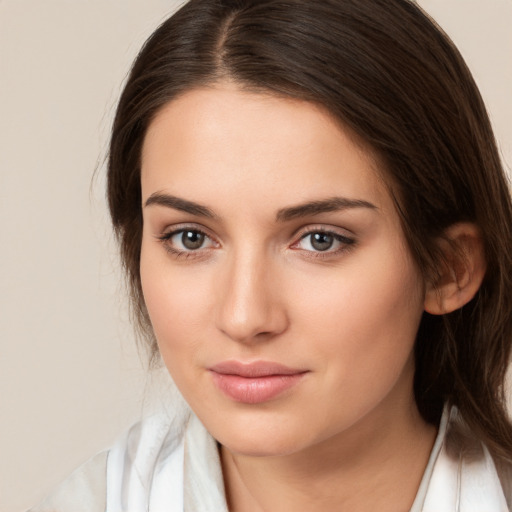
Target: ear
x,y
460,272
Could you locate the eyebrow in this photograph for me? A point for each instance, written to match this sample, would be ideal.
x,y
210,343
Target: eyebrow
x,y
310,208
332,204
176,203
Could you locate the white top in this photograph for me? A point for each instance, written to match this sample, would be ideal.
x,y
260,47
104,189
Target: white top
x,y
168,464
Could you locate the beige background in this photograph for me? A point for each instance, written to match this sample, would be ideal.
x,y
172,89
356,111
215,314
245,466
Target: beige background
x,y
70,378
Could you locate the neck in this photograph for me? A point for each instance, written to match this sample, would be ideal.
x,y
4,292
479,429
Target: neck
x,y
376,465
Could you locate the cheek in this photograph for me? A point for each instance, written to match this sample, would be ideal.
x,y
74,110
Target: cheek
x,y
177,303
366,320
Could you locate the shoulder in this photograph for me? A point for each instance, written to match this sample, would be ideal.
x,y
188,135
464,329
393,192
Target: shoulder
x,y
477,466
504,470
83,491
128,464
170,462
146,465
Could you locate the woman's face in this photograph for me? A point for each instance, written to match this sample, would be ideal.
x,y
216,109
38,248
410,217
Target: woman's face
x,y
275,271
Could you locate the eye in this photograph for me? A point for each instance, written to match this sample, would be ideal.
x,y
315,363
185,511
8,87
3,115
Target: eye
x,y
186,240
323,241
190,240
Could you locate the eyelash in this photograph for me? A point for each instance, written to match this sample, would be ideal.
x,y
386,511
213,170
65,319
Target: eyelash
x,y
346,243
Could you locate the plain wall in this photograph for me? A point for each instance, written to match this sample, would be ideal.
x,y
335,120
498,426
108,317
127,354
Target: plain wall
x,y
70,376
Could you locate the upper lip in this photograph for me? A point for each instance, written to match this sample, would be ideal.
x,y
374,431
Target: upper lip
x,y
254,369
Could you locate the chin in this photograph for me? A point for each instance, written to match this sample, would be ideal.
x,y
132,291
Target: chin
x,y
260,448
261,439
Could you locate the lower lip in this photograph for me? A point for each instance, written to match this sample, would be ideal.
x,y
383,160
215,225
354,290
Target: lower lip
x,y
255,390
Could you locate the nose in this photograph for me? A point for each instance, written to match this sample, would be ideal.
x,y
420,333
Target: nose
x,y
250,301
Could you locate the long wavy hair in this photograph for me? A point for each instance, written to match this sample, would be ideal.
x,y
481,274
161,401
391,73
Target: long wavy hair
x,y
384,69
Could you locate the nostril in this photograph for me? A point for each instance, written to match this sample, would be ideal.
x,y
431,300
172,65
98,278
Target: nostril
x,y
264,334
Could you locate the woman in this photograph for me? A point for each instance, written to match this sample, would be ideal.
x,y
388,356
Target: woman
x,y
317,232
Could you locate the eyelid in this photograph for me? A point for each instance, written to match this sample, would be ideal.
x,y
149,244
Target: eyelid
x,y
184,226
322,228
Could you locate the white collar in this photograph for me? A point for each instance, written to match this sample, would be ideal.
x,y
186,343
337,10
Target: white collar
x,y
172,465
460,475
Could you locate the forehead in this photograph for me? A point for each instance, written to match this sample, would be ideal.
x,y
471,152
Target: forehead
x,y
222,142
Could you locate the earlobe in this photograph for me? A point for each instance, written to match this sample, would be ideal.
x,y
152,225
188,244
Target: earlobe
x,y
461,270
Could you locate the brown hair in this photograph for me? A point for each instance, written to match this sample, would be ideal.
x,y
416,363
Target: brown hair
x,y
386,71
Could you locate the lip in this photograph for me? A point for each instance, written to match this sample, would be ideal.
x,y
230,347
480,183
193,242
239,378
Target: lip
x,y
255,382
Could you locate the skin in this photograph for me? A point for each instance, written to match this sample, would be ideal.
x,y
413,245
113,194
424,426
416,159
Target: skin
x,y
348,435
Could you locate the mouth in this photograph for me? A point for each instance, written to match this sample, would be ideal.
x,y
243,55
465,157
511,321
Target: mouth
x,y
257,382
